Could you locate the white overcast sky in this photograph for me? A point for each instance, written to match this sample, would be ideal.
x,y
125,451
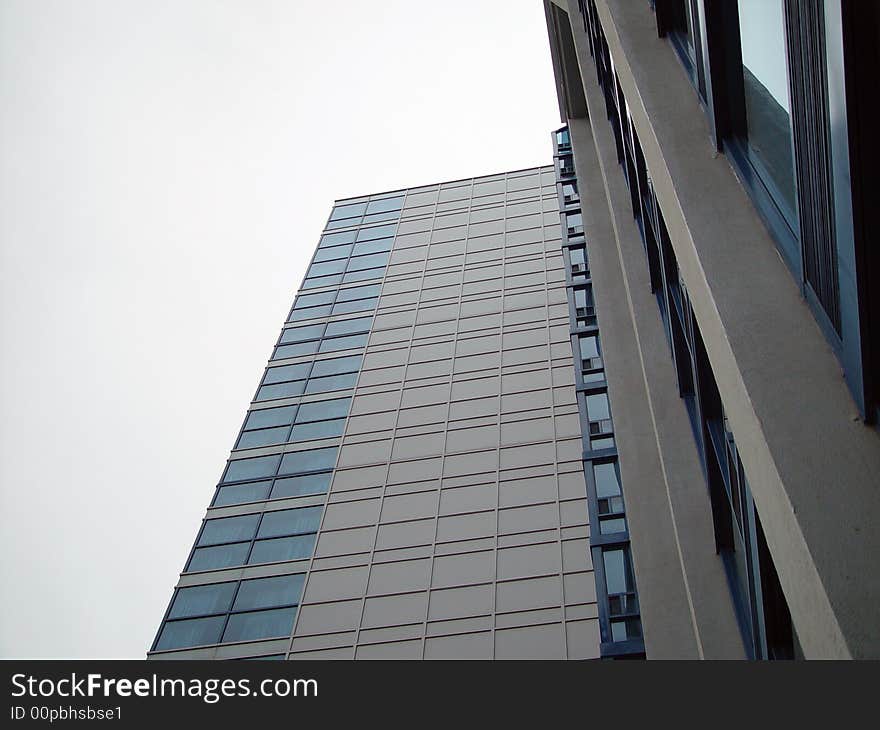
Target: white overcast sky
x,y
165,170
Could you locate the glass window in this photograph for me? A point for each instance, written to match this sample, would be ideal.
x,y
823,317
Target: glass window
x,y
352,210
377,206
259,625
318,281
263,437
369,234
318,430
283,373
270,417
377,246
361,305
349,326
202,600
597,407
578,259
331,382
332,253
282,390
241,493
350,364
766,98
299,334
312,460
388,215
290,522
575,223
370,261
191,632
336,408
343,343
358,292
216,558
617,574
301,348
589,348
240,470
312,300
364,275
229,529
299,486
325,268
336,239
282,590
278,549
297,315
607,481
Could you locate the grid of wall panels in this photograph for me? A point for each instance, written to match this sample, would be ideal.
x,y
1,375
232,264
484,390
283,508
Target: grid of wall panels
x,y
457,522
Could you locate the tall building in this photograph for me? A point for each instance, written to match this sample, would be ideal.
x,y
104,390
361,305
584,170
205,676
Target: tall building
x,y
409,480
725,153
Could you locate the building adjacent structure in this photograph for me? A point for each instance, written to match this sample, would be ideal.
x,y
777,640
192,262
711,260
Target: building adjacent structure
x,y
621,406
724,152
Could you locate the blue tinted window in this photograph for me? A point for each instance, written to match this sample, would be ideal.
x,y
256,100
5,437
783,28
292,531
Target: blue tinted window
x,y
240,493
352,210
299,334
312,460
269,592
259,624
388,215
336,365
298,486
349,326
361,305
313,300
229,529
318,430
287,372
215,558
335,408
202,600
330,254
282,390
314,282
331,382
290,522
335,239
370,261
343,343
363,275
342,223
328,267
270,417
297,315
358,292
263,437
191,632
377,246
368,234
377,206
283,548
302,348
241,469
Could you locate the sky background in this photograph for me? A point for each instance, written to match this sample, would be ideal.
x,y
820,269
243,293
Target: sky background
x,y
165,171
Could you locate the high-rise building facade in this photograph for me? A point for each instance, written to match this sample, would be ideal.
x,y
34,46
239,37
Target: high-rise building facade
x,y
409,480
725,153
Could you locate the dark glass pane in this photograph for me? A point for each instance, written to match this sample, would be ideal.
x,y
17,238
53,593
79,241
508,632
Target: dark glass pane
x,y
287,372
299,486
319,410
269,592
239,493
343,343
299,334
290,522
349,326
337,365
313,460
191,632
318,430
202,600
270,417
280,549
215,558
765,86
282,390
229,529
263,437
241,469
259,625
